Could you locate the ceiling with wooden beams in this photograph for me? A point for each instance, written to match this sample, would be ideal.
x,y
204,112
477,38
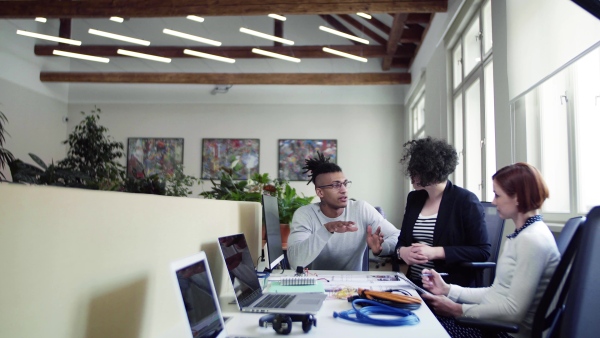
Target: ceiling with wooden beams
x,y
395,32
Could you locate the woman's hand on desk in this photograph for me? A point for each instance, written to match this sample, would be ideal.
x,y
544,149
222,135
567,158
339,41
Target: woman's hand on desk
x,y
443,306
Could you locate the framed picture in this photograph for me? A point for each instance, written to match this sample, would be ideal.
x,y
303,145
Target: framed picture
x,y
149,156
240,154
293,153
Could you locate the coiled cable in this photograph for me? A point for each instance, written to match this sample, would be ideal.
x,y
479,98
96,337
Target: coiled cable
x,y
364,315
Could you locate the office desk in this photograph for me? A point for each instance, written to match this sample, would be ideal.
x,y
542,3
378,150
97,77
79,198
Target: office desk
x,y
246,324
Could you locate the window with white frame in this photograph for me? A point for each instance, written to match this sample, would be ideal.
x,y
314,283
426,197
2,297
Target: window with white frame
x,y
417,115
556,130
473,126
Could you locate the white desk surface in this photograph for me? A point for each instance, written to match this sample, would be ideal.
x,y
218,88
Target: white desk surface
x,y
246,324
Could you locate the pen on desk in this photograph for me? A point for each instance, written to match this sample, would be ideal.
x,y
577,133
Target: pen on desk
x,y
429,275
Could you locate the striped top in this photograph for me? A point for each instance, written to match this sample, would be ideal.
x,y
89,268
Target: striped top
x,y
423,233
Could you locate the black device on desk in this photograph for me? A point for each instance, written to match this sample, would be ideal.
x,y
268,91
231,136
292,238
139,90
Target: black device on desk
x,y
282,323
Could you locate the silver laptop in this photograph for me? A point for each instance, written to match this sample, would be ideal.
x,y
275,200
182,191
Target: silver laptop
x,y
247,288
198,301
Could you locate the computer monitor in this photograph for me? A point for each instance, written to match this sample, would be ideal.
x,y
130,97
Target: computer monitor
x,y
271,220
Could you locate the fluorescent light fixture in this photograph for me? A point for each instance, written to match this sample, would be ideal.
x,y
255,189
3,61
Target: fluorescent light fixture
x,y
49,37
347,36
275,55
143,56
364,15
80,56
208,56
191,37
40,19
195,18
119,37
266,36
346,55
116,19
277,16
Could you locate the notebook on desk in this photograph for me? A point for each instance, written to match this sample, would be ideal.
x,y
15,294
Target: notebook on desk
x,y
247,289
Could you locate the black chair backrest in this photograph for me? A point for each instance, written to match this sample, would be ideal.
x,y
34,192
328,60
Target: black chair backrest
x,y
495,229
549,311
581,308
567,233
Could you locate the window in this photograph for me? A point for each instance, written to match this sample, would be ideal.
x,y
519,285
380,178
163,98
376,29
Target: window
x,y
473,122
417,113
556,130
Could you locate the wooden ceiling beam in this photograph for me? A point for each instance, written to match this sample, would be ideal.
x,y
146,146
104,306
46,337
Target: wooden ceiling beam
x,y
238,52
380,25
418,18
333,79
395,37
172,8
338,26
363,29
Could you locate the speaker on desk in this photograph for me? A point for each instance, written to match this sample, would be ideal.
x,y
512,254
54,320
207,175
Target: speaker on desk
x,y
282,323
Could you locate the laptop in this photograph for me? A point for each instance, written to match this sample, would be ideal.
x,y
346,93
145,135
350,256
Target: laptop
x,y
247,288
198,297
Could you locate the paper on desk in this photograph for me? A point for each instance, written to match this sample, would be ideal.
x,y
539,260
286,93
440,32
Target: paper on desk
x,y
344,286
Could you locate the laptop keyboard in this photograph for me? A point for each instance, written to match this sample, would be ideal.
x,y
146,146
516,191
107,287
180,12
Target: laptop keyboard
x,y
275,301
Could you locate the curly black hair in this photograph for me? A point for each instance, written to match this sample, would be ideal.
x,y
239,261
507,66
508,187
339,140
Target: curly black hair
x,y
319,165
431,160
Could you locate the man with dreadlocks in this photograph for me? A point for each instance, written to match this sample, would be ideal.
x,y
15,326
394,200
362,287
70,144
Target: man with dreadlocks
x,y
334,233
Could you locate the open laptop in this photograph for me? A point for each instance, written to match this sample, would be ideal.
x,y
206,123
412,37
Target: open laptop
x,y
198,301
247,289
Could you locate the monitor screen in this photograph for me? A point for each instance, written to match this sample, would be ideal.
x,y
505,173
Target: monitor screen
x,y
271,220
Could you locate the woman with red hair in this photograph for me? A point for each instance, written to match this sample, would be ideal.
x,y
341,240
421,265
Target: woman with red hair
x,y
524,269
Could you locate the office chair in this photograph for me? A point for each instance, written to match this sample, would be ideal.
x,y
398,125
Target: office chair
x,y
549,313
581,308
495,228
567,233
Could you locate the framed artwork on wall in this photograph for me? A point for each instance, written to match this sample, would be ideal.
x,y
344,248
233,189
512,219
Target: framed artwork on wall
x,y
149,156
240,154
292,154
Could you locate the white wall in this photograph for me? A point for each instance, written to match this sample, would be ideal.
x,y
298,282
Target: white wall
x,y
35,123
544,35
369,138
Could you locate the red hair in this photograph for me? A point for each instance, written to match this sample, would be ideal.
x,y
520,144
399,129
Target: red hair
x,y
524,181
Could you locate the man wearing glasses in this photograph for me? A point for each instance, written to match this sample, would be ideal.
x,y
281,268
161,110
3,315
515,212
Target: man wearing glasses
x,y
334,233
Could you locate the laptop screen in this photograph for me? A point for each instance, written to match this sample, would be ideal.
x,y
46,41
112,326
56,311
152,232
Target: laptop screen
x,y
199,298
241,268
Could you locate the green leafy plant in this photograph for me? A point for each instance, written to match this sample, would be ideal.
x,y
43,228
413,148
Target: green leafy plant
x,y
5,156
93,153
252,190
45,174
289,201
178,183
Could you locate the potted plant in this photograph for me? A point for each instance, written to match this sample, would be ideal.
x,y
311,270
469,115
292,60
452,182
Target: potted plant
x,y
5,156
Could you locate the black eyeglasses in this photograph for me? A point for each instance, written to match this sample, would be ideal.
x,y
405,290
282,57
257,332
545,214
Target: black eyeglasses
x,y
337,185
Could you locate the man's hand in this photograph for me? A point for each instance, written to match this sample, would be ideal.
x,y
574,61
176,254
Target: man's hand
x,y
340,226
374,240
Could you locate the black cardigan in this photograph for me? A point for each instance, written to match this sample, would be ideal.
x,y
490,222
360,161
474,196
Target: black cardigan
x,y
460,228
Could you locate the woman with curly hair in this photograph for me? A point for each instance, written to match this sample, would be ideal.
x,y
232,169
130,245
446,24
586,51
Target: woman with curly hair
x,y
443,225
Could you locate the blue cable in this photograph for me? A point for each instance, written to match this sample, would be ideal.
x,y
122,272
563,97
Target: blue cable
x,y
363,315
